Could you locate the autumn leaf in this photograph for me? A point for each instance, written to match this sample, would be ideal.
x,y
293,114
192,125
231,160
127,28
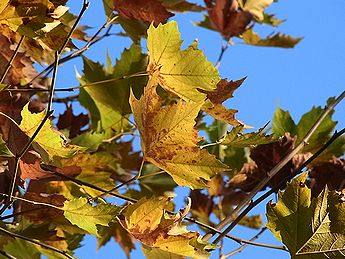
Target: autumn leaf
x,y
255,7
143,10
172,145
49,142
81,213
276,40
73,123
303,224
223,92
182,6
181,72
161,233
226,17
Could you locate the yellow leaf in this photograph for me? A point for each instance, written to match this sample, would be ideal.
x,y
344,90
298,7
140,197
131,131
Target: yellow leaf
x,y
181,72
169,140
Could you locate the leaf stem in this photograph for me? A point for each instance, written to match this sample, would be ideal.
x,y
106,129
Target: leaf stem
x,y
272,173
9,64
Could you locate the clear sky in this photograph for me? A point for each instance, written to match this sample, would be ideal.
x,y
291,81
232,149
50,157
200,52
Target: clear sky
x,y
293,79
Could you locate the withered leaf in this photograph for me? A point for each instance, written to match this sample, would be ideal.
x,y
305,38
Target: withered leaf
x,y
73,123
330,173
143,10
227,18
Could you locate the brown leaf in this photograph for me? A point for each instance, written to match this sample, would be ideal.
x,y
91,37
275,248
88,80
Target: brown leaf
x,y
214,107
41,213
265,157
224,91
202,205
227,18
30,167
74,123
124,239
142,10
331,173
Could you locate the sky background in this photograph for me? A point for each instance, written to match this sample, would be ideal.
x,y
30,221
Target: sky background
x,y
293,79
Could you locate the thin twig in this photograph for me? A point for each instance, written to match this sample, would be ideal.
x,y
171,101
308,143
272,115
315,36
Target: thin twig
x,y
137,176
240,249
64,253
9,64
273,172
7,255
236,239
223,50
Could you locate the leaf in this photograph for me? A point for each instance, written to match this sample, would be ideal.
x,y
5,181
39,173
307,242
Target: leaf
x,y
289,218
161,234
331,173
271,20
254,221
214,107
255,7
181,72
276,40
20,248
143,10
322,133
282,123
304,225
115,94
239,140
4,151
49,142
81,213
226,17
73,123
172,145
182,6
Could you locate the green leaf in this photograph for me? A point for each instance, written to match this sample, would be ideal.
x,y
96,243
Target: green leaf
x,y
81,213
20,248
4,151
49,142
181,72
236,139
115,94
322,133
276,40
282,123
308,227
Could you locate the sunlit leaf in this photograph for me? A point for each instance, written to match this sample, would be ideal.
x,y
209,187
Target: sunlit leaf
x,y
172,144
4,151
81,213
181,72
282,123
49,142
255,7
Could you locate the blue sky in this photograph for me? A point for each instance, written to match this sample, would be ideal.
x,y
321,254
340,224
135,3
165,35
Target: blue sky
x,y
293,79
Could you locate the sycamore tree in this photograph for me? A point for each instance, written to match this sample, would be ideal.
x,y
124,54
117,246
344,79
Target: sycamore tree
x,y
66,176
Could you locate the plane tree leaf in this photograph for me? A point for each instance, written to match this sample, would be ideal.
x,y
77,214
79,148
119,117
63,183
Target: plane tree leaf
x,y
143,10
49,142
181,72
81,213
255,7
303,224
172,144
282,122
162,234
276,40
235,138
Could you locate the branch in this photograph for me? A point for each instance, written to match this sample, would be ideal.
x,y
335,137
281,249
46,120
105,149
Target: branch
x,y
6,255
9,64
236,239
63,253
240,249
273,172
222,51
